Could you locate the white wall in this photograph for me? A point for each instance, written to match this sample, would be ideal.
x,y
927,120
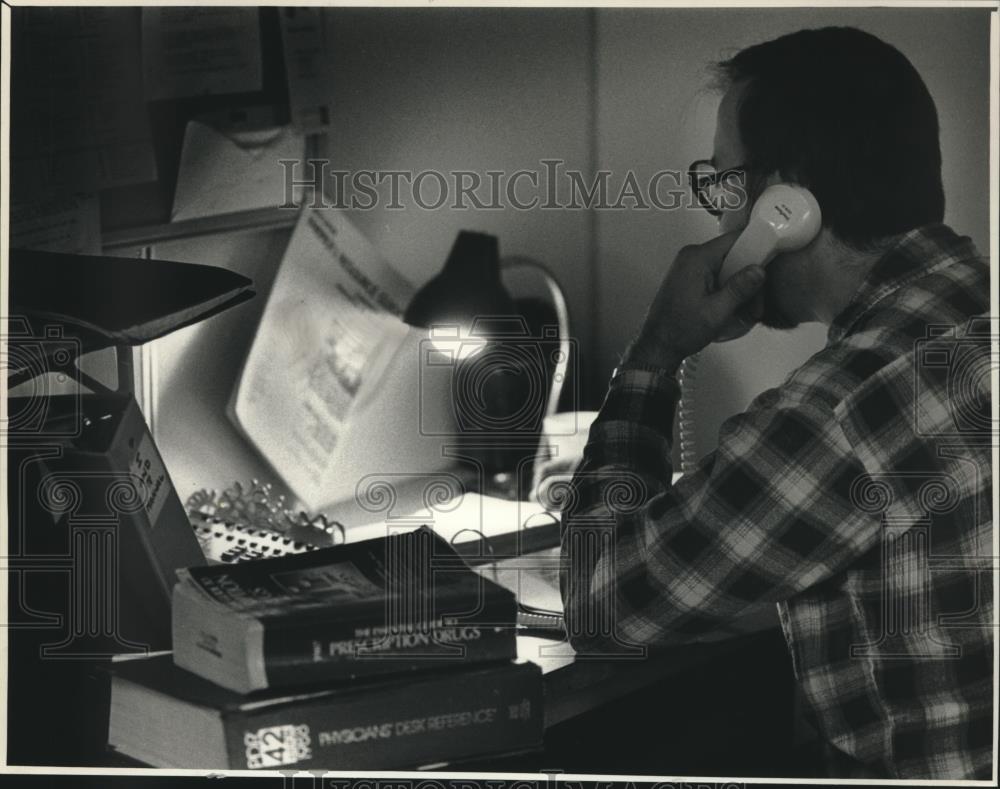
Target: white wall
x,y
654,112
195,369
467,89
412,90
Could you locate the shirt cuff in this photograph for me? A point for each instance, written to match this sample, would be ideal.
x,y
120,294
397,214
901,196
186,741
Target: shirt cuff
x,y
642,396
644,377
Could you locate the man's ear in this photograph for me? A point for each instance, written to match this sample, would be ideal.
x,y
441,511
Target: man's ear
x,y
755,186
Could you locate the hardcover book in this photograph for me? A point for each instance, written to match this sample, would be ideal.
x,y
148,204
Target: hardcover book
x,y
167,717
382,606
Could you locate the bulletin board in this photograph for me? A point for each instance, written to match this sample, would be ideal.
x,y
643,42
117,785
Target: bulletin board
x,y
144,204
102,96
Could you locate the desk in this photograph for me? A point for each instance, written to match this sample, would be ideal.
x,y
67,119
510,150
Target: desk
x,y
577,695
724,708
573,689
576,687
589,698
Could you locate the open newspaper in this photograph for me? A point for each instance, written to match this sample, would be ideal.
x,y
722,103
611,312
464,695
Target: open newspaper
x,y
319,394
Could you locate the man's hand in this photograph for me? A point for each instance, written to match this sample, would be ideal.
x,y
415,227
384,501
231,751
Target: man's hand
x,y
689,311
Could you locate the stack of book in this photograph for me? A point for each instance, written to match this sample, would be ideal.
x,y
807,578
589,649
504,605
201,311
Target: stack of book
x,y
389,653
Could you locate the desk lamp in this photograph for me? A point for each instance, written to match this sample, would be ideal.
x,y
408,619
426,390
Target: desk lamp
x,y
460,301
475,325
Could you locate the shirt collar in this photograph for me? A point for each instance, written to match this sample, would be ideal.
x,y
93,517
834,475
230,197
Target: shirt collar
x,y
916,254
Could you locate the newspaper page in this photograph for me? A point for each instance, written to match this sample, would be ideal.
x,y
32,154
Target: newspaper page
x,y
303,39
66,223
330,328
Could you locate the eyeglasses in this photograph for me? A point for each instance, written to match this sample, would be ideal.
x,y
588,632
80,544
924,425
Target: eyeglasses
x,y
709,185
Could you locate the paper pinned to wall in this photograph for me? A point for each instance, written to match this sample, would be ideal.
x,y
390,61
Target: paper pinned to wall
x,y
224,173
71,223
82,124
85,170
328,337
303,39
200,50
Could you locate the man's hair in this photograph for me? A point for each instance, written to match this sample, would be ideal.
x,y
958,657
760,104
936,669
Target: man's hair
x,y
846,115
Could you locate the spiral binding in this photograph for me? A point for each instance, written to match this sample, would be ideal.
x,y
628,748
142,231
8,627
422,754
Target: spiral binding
x,y
484,540
540,623
228,542
687,378
243,523
531,620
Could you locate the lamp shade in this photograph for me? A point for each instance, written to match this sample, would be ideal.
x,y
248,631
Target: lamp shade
x,y
467,288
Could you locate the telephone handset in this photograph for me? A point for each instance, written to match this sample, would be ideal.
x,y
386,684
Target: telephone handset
x,y
785,217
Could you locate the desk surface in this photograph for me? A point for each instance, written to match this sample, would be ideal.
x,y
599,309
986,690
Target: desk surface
x,y
572,686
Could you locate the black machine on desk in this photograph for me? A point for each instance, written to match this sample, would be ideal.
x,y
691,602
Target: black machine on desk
x,y
94,502
96,530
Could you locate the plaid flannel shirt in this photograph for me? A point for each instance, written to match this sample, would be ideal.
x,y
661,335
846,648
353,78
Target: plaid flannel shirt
x,y
857,496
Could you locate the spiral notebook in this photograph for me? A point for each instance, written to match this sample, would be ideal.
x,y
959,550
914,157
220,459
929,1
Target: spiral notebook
x,y
482,529
515,543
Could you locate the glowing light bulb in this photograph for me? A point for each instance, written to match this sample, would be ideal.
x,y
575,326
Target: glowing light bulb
x,y
457,343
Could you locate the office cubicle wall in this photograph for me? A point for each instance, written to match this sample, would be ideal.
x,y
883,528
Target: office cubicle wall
x,y
184,380
654,112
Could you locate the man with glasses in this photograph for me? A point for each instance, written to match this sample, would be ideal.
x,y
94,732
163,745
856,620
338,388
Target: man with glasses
x,y
857,496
